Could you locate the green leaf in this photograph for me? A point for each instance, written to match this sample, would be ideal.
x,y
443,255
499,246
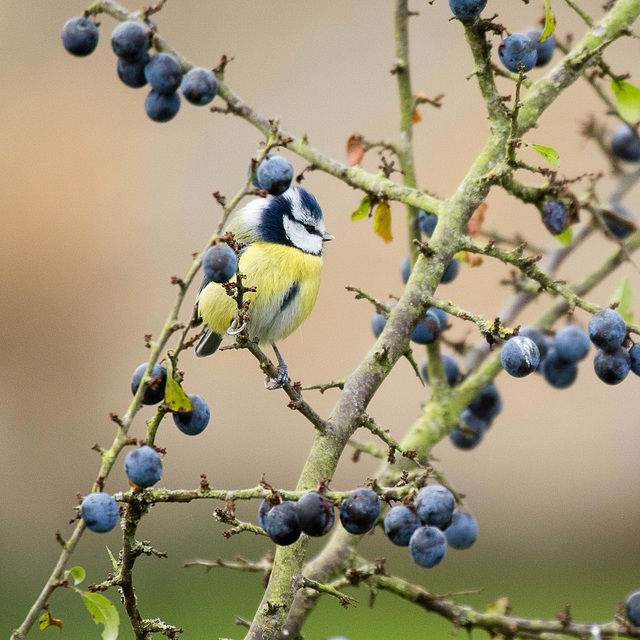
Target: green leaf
x,y
548,153
362,210
113,560
565,237
624,296
382,221
104,613
628,98
77,573
549,21
174,396
46,620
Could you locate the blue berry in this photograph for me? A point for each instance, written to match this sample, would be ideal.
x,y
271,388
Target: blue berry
x,y
199,86
634,358
443,318
520,356
451,272
359,512
607,329
625,143
434,505
315,514
427,222
281,524
544,49
487,404
405,269
130,40
274,174
80,36
161,108
518,49
619,229
471,434
538,338
220,263
427,546
263,509
132,73
632,608
467,9
193,422
164,73
557,372
154,393
612,367
100,512
143,466
378,323
554,216
462,532
450,368
571,344
399,524
427,330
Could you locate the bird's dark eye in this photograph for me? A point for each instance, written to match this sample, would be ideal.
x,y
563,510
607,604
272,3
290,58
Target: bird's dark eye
x,y
310,228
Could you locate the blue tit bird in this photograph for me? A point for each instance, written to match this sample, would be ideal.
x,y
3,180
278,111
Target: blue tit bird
x,y
285,236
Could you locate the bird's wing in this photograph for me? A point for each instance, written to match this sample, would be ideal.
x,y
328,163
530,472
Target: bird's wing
x,y
208,344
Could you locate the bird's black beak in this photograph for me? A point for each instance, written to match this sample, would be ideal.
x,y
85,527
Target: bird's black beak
x,y
326,236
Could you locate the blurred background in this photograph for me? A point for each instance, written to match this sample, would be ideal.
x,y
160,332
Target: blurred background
x,y
100,207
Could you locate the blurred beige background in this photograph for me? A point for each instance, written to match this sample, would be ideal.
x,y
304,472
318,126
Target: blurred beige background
x,y
99,208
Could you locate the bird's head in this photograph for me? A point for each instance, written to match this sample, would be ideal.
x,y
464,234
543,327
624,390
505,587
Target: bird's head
x,y
293,218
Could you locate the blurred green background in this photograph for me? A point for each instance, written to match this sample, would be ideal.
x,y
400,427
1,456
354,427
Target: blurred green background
x,y
100,206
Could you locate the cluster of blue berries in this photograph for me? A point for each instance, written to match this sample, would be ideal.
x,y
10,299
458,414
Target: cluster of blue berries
x,y
426,331
131,41
526,50
284,521
100,511
477,418
191,423
625,145
426,526
558,359
143,465
429,525
612,363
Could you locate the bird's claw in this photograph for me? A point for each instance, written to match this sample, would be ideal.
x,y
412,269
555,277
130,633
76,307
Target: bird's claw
x,y
279,381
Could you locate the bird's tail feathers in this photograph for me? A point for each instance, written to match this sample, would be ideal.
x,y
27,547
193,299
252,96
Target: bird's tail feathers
x,y
208,344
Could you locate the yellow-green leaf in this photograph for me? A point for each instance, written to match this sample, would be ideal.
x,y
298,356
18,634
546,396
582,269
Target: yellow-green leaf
x,y
500,606
549,21
382,221
104,613
77,573
362,210
174,396
46,620
565,237
628,99
623,295
548,153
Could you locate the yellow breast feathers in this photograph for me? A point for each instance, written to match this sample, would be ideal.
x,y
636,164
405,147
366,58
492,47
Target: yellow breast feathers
x,y
287,282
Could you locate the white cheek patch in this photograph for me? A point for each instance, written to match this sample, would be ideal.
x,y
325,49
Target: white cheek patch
x,y
301,238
